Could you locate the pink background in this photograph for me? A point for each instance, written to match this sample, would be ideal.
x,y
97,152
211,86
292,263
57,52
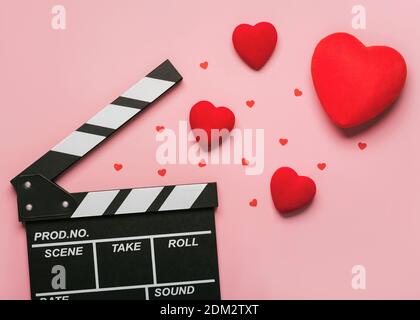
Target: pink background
x,y
366,210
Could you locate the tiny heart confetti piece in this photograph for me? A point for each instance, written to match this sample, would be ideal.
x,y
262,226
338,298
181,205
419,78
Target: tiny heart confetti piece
x,y
283,141
204,65
160,128
202,163
253,203
245,162
321,166
161,172
118,166
250,103
362,145
298,93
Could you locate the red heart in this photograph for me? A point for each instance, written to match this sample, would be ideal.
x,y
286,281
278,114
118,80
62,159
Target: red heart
x,y
298,93
162,172
321,166
283,142
202,163
205,116
160,128
204,65
291,191
250,103
255,44
355,83
118,166
362,145
253,203
245,162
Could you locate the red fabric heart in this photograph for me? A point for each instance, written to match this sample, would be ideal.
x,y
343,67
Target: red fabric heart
x,y
118,166
362,145
283,142
356,83
298,93
162,172
255,44
205,116
291,191
321,166
250,103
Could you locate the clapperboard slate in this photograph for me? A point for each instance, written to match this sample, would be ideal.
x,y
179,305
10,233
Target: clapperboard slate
x,y
145,243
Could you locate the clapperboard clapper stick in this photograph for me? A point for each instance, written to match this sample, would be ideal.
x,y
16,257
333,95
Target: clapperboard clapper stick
x,y
145,243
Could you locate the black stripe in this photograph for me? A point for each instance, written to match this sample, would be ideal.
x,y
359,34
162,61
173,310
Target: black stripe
x,y
160,199
116,203
131,103
98,130
207,198
166,71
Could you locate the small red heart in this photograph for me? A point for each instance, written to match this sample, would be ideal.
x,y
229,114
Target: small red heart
x,y
118,166
160,128
362,145
250,103
283,141
298,93
204,65
253,203
291,191
356,83
245,162
321,166
255,44
161,172
205,116
202,163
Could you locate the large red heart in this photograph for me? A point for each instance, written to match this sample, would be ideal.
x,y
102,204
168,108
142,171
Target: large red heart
x,y
255,44
205,116
356,83
291,191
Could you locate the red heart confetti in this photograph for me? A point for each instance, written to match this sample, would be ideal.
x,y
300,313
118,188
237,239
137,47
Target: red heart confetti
x,y
283,141
298,93
118,166
253,203
362,145
202,163
204,65
322,166
250,103
161,172
160,128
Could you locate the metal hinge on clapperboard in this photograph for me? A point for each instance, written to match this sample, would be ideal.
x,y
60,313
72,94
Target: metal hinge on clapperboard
x,y
145,243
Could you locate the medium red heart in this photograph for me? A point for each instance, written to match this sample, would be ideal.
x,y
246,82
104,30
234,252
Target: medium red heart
x,y
362,145
162,172
160,128
298,93
205,116
355,83
250,103
255,44
245,162
202,163
321,166
118,166
291,191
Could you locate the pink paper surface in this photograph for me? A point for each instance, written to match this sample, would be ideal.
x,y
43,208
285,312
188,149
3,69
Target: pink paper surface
x,y
366,211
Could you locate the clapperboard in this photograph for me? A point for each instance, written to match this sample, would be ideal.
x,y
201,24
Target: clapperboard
x,y
146,243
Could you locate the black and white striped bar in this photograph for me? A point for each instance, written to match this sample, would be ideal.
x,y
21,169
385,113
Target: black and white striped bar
x,y
106,122
141,200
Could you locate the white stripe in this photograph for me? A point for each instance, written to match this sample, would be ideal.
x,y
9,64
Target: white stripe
x,y
168,284
78,143
152,254
182,197
139,200
95,203
113,116
95,265
148,89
